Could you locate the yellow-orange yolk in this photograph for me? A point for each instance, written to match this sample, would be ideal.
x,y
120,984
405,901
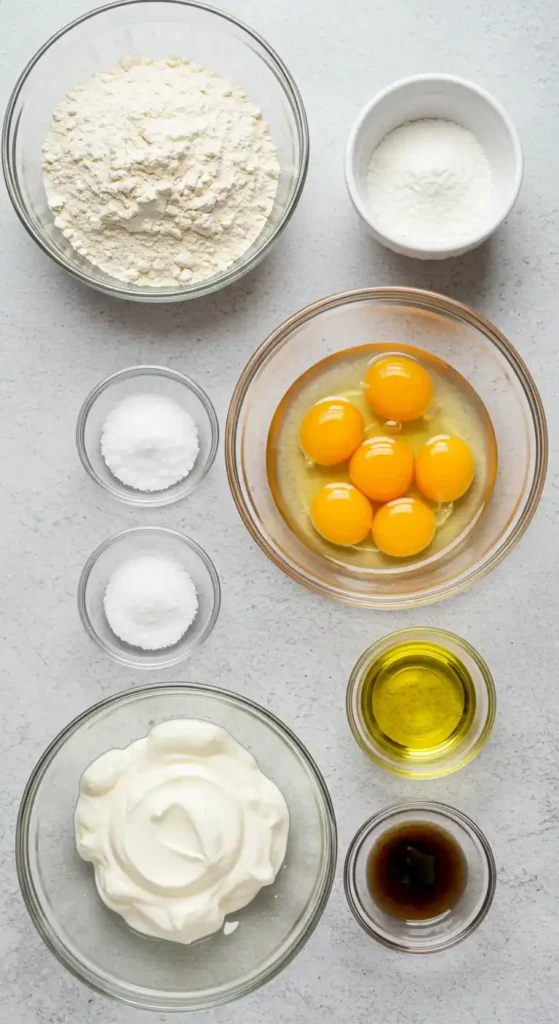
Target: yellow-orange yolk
x,y
403,527
398,388
444,468
331,431
382,468
341,514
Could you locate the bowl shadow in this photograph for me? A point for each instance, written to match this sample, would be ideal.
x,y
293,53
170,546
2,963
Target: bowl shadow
x,y
191,322
468,278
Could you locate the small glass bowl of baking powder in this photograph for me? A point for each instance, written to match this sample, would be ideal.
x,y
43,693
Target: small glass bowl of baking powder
x,y
127,548
93,44
152,382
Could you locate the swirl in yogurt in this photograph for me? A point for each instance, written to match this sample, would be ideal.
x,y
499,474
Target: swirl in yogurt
x,y
182,828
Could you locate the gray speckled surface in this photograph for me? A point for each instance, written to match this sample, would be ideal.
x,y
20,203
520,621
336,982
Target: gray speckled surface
x,y
58,339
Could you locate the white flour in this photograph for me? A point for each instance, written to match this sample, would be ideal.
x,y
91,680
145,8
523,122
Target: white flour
x,y
429,184
159,172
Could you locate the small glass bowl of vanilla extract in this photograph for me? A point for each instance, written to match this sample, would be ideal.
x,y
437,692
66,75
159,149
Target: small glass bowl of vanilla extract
x,y
421,703
419,877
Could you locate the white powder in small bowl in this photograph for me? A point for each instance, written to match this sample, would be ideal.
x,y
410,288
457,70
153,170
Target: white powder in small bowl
x,y
150,602
149,442
430,184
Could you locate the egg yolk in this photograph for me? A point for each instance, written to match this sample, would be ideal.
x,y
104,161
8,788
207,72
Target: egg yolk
x,y
398,388
444,468
403,528
331,431
382,468
341,514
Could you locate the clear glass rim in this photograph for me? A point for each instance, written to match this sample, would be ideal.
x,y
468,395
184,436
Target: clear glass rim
x,y
147,499
417,808
119,289
165,660
207,998
353,693
434,302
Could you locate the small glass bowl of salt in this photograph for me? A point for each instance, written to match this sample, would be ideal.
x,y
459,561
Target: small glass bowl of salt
x,y
147,435
148,597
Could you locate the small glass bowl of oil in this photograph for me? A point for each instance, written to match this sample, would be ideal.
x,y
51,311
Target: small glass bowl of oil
x,y
419,877
421,703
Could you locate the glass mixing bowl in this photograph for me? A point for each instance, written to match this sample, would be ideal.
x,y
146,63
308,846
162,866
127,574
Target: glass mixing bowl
x,y
424,764
444,328
95,944
130,544
449,928
144,28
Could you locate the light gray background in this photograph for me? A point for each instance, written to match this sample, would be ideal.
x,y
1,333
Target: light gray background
x,y
277,643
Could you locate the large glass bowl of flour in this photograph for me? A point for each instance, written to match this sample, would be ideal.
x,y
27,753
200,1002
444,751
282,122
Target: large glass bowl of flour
x,y
153,31
96,944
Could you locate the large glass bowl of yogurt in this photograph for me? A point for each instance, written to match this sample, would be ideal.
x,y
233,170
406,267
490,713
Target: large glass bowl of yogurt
x,y
140,962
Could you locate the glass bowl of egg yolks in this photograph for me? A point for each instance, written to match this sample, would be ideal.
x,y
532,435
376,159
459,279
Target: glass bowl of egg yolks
x,y
474,423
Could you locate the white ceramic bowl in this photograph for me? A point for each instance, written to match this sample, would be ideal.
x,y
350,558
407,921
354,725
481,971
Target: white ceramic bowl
x,y
453,99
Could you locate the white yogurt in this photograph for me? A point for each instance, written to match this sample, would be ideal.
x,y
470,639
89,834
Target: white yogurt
x,y
182,828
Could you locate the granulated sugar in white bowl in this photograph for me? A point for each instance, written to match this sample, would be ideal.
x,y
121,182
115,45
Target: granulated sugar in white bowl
x,y
429,183
435,145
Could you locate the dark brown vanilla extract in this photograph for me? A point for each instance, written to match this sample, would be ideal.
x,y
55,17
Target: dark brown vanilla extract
x,y
416,871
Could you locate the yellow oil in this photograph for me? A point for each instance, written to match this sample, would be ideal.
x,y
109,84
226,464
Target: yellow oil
x,y
418,700
456,409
